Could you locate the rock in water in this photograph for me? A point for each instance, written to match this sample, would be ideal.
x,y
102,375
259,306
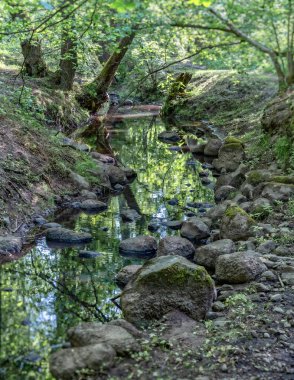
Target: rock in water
x,y
129,215
239,267
176,246
167,283
65,363
194,229
208,254
124,276
93,206
139,246
236,224
169,136
212,147
63,235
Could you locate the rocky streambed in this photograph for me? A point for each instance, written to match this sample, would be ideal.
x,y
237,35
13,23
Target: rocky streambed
x,y
198,236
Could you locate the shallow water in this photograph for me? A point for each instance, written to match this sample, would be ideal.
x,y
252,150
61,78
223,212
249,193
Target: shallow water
x,y
51,289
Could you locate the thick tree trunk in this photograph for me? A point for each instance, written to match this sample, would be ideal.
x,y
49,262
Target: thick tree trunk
x,y
68,62
34,63
95,94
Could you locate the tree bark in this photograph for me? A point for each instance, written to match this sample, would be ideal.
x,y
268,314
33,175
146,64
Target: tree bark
x,y
95,94
34,63
68,61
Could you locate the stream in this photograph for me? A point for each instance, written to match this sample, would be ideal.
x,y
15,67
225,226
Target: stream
x,y
51,289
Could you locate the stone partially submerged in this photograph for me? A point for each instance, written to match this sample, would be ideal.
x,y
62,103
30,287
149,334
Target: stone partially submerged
x,y
164,284
139,246
176,246
66,236
194,229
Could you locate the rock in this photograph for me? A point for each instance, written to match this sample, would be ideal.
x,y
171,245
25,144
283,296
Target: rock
x,y
169,137
65,363
255,177
75,145
88,194
125,275
103,158
212,147
239,267
89,333
277,191
194,229
208,254
139,246
46,226
130,174
10,244
39,220
260,206
63,235
218,306
173,202
195,146
79,181
175,245
174,224
223,192
93,206
267,246
231,154
129,215
153,226
164,284
234,179
236,224
88,254
116,175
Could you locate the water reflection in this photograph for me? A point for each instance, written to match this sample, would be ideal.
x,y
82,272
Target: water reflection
x,y
51,289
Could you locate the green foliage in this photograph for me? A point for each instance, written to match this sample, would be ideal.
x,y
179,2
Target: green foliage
x,y
284,151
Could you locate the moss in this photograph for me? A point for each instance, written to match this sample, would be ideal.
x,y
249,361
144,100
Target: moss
x,y
289,180
232,146
257,176
233,211
233,140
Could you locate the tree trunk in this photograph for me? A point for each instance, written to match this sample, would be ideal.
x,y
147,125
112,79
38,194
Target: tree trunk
x,y
95,94
34,63
68,61
177,90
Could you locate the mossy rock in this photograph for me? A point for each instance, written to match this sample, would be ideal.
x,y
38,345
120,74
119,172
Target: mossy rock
x,y
236,224
289,180
256,177
233,140
164,284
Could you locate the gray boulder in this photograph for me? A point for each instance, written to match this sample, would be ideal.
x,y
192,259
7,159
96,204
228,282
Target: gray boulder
x,y
239,267
212,147
93,206
89,333
278,191
65,364
10,244
103,158
234,179
88,194
236,224
79,181
208,254
164,284
177,246
169,136
194,229
63,235
224,192
230,155
125,275
139,246
129,215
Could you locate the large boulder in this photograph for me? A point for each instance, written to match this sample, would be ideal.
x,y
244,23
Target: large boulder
x,y
194,229
129,215
79,181
236,224
177,246
93,206
66,236
89,333
10,244
124,276
65,364
207,255
224,192
114,174
212,147
139,246
278,191
169,137
230,155
164,284
239,267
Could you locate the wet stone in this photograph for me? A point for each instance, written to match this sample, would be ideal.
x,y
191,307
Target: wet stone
x,y
88,254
